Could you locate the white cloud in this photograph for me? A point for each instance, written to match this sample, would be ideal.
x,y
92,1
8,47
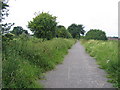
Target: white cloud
x,y
93,14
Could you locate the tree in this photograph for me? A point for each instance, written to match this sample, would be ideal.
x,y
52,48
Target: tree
x,y
81,28
19,30
4,13
96,34
76,30
61,31
43,26
3,9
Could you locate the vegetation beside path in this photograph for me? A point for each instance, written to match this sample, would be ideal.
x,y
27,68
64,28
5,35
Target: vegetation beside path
x,y
26,56
25,59
106,54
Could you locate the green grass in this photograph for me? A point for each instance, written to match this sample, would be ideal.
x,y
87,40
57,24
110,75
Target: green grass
x,y
106,54
24,61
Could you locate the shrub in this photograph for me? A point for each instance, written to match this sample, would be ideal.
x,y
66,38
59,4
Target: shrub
x,y
62,32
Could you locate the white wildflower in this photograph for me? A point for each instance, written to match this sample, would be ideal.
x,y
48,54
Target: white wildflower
x,y
108,61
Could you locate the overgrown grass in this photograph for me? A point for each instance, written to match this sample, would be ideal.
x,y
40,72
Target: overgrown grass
x,y
24,61
106,54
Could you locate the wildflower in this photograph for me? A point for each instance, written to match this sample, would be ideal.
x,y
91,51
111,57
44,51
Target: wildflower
x,y
108,61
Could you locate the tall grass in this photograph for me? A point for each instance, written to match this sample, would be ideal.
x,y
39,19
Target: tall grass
x,y
106,54
24,61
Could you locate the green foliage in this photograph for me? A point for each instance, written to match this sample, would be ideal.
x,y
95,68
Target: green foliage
x,y
43,26
4,13
82,37
96,34
3,9
24,60
19,30
7,37
118,64
62,32
76,30
15,33
106,54
24,37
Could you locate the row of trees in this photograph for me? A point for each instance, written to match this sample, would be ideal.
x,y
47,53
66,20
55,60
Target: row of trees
x,y
45,26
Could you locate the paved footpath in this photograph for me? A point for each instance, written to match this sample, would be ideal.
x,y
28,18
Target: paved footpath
x,y
78,70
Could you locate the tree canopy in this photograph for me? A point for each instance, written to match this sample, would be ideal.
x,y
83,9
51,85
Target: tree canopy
x,y
61,31
76,30
43,26
4,13
18,30
96,34
3,9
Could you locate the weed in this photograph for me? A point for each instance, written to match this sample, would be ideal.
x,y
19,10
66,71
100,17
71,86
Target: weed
x,y
106,54
24,61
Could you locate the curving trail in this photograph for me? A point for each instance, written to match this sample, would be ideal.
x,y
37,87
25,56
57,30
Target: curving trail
x,y
79,70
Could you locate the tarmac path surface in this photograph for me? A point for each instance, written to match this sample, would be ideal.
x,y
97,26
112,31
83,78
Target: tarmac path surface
x,y
78,70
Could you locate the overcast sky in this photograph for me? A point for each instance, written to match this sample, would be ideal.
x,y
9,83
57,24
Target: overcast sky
x,y
93,14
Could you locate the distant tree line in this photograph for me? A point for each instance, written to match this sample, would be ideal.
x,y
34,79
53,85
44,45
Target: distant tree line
x,y
45,26
18,30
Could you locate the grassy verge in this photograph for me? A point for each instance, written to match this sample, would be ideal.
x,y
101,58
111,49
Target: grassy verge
x,y
24,61
106,54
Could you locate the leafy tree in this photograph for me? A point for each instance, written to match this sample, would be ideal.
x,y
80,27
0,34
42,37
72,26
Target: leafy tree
x,y
96,34
76,30
73,30
43,26
4,13
81,28
3,9
19,30
61,31
25,31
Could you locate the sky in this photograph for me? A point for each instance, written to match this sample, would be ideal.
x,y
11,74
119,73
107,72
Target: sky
x,y
92,14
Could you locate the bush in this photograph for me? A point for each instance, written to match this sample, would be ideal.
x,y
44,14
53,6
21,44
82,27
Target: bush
x,y
25,60
96,34
62,32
